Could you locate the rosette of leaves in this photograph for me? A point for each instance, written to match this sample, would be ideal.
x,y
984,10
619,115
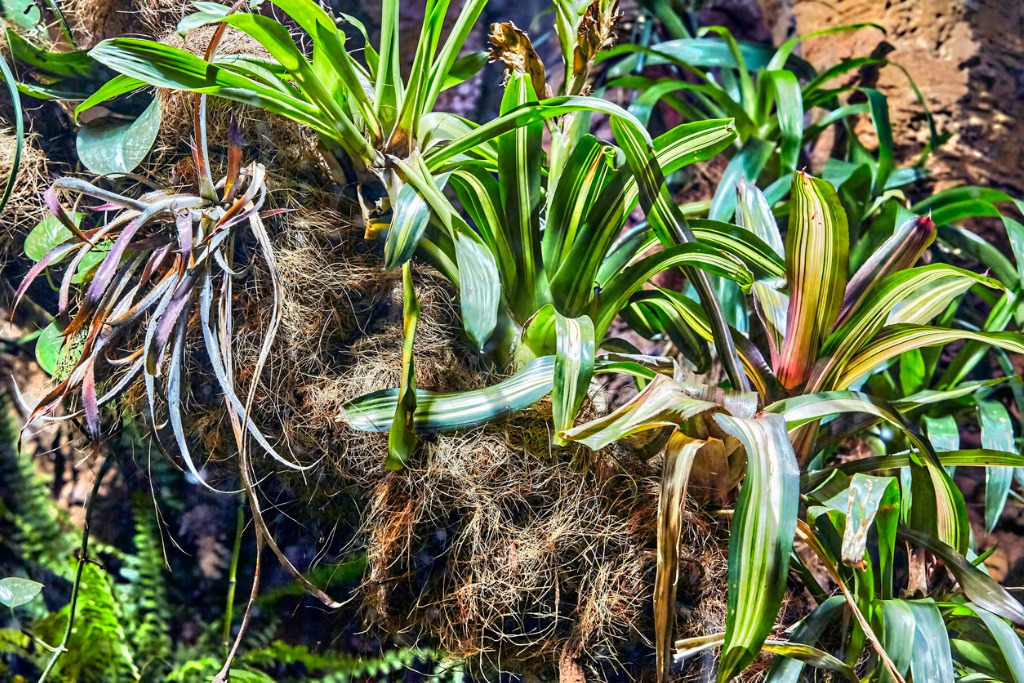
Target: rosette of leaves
x,y
555,272
135,270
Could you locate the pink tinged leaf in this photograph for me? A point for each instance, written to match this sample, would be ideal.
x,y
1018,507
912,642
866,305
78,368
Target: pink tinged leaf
x,y
166,322
183,222
817,259
901,251
53,204
37,268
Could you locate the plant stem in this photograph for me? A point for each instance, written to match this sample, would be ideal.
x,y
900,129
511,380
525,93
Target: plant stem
x,y
233,576
83,556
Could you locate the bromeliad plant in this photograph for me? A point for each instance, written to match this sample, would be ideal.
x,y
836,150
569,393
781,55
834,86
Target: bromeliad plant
x,y
825,332
825,336
149,263
556,274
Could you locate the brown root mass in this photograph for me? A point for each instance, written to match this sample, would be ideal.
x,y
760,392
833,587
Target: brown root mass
x,y
25,206
492,545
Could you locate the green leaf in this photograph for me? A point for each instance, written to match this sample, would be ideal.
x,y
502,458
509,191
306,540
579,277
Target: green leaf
x,y
447,412
19,131
807,632
411,214
1007,640
47,234
789,109
116,86
15,592
402,434
898,631
932,660
48,346
519,164
111,145
996,434
479,286
761,538
630,280
817,253
943,509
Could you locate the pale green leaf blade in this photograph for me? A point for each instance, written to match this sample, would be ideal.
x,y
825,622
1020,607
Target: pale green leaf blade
x,y
112,145
574,367
15,591
447,412
996,434
932,660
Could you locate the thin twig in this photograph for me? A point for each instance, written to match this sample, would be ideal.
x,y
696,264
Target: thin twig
x,y
233,580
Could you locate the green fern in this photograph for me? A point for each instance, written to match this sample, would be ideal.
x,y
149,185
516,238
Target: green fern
x,y
42,534
143,595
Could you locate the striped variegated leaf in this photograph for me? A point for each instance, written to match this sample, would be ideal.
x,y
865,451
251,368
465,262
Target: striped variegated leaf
x,y
580,181
519,164
672,229
692,256
663,403
761,538
693,315
897,339
901,251
872,315
941,506
680,452
402,434
447,412
574,367
817,254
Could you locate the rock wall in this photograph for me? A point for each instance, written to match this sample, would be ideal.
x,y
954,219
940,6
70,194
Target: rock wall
x,y
967,58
